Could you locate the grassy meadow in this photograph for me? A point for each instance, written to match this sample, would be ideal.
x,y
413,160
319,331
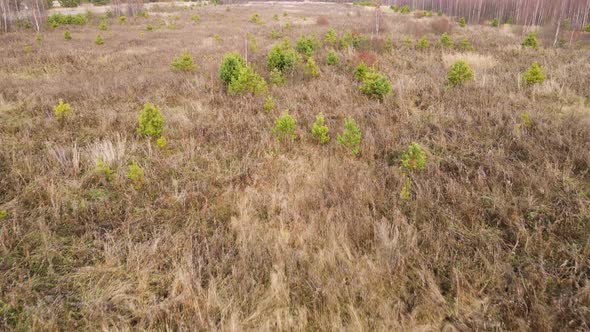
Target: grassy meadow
x,y
428,204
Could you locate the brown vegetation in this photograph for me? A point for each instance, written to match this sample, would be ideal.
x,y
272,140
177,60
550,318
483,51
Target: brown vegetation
x,y
232,229
322,20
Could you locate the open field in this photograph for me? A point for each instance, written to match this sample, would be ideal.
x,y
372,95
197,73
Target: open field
x,y
231,228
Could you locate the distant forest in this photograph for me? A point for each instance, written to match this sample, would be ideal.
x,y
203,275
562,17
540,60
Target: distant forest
x,y
571,14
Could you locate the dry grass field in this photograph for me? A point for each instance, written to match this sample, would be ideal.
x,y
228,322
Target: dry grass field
x,y
233,229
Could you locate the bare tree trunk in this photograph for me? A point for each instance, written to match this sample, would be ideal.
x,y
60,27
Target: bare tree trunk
x,y
4,9
36,13
246,48
557,32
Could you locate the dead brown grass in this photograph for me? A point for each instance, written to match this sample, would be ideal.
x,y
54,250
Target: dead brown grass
x,y
234,231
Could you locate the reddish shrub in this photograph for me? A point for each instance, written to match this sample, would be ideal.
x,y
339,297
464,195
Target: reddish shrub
x,y
377,45
419,14
441,25
418,29
369,58
322,20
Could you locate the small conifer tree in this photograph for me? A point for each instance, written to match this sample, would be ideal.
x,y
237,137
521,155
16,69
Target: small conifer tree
x,y
459,73
534,75
351,136
414,158
183,62
462,22
151,121
311,68
99,40
319,131
531,41
445,41
332,59
284,128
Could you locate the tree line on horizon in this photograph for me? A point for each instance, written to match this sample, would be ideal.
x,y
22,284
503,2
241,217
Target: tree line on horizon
x,y
568,14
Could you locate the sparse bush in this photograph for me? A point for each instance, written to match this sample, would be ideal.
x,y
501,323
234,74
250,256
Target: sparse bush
x,y
183,62
534,75
3,214
103,26
465,45
361,71
151,121
422,44
319,130
364,3
230,66
307,45
330,37
395,8
58,19
275,17
459,73
135,174
445,41
311,68
355,40
284,128
276,77
281,57
246,81
99,2
256,19
39,38
531,41
67,35
408,41
62,110
414,158
69,3
587,28
269,104
462,22
405,10
375,85
388,44
196,18
275,34
217,38
122,19
495,23
332,58
99,40
525,120
162,142
104,170
252,44
406,192
351,136
149,27
346,41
